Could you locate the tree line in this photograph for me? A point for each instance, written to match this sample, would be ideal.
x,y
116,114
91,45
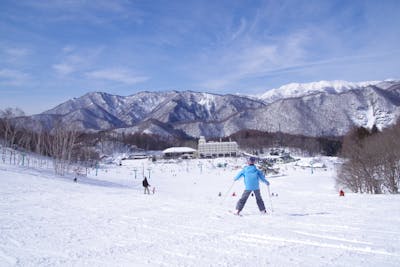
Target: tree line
x,y
60,143
256,141
371,160
66,145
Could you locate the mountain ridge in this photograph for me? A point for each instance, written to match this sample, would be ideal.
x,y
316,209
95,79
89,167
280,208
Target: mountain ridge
x,y
317,111
303,89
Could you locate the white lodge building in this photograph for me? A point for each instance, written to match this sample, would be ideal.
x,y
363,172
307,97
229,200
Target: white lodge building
x,y
216,149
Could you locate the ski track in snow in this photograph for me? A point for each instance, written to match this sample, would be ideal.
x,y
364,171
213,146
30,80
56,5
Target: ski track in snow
x,y
268,240
108,221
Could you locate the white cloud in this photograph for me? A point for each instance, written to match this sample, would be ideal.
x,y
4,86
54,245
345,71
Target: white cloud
x,y
14,55
17,52
241,29
73,59
93,12
68,49
64,68
117,75
240,65
12,77
256,59
249,58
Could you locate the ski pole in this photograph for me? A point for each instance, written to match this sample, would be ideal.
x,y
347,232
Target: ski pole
x,y
270,201
227,192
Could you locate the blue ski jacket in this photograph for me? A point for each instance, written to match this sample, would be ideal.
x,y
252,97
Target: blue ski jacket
x,y
251,175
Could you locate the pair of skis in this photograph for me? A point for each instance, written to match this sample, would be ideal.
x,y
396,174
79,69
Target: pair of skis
x,y
241,215
268,212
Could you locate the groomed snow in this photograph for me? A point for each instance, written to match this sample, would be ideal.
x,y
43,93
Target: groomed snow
x,y
106,220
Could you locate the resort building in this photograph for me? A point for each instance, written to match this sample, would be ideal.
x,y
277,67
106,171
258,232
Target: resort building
x,y
179,152
216,149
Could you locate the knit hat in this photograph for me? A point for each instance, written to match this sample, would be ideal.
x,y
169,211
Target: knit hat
x,y
252,160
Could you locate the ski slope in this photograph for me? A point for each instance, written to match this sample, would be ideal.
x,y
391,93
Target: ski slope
x,y
106,220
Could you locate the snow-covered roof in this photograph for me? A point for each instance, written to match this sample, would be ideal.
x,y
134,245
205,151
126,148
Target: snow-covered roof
x,y
179,150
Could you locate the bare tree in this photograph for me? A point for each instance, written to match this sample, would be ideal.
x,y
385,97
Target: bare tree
x,y
372,162
388,155
350,176
61,144
7,128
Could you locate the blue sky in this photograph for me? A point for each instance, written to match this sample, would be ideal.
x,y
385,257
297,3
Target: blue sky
x,y
51,51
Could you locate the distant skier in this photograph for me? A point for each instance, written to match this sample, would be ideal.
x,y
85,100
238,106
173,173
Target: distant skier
x,y
251,175
146,185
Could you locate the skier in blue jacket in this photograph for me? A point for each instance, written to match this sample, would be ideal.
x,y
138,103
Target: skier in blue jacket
x,y
251,175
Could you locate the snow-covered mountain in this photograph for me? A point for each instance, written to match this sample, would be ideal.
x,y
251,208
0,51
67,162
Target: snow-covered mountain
x,y
314,109
146,111
302,89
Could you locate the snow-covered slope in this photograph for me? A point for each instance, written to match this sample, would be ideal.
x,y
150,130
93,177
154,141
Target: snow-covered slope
x,y
106,220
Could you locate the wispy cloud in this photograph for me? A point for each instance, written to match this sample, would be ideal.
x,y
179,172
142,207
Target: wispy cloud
x,y
115,6
110,45
293,39
240,30
250,58
117,75
93,12
74,59
235,66
64,68
68,49
11,77
16,52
